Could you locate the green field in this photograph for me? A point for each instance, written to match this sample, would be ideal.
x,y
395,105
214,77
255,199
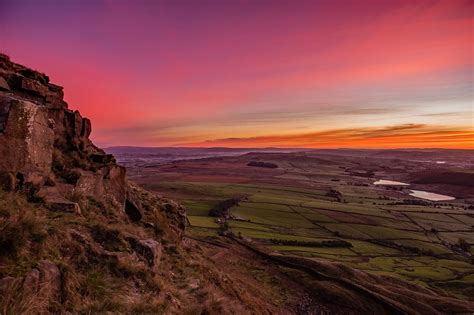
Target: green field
x,y
406,241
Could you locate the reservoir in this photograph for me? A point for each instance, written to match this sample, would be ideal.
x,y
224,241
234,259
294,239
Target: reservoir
x,y
430,196
389,183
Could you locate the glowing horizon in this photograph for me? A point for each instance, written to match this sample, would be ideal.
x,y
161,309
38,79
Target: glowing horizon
x,y
309,74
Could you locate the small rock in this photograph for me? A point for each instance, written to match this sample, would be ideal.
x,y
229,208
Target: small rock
x,y
149,250
4,85
65,206
194,284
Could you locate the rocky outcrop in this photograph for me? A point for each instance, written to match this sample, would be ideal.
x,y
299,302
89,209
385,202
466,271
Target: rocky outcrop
x,y
46,150
95,220
44,144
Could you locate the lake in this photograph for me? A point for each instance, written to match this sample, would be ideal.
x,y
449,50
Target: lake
x,y
390,183
430,196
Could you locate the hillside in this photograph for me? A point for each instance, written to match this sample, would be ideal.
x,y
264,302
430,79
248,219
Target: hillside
x,y
77,236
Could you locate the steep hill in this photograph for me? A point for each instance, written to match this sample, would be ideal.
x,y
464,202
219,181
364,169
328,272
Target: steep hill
x,y
77,237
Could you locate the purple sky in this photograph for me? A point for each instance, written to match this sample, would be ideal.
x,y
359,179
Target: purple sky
x,y
256,73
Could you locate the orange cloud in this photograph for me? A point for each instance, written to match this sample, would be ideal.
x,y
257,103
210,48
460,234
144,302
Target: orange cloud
x,y
400,136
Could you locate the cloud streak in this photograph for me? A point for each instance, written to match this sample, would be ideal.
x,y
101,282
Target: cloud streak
x,y
399,136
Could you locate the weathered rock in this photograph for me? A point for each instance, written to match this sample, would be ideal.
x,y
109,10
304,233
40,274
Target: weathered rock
x,y
34,87
56,88
4,113
90,184
74,121
115,184
4,85
26,143
55,100
35,178
149,250
42,78
64,206
13,79
86,128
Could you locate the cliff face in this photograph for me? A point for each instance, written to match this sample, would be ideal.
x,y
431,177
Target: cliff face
x,y
46,150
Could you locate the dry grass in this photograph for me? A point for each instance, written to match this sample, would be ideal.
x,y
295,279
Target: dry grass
x,y
18,301
21,226
96,263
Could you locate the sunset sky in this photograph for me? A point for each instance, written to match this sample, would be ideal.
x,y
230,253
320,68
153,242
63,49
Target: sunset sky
x,y
375,74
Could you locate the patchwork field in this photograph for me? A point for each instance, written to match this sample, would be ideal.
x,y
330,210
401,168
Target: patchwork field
x,y
327,209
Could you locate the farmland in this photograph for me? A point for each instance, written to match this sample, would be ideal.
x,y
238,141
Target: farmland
x,y
312,199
